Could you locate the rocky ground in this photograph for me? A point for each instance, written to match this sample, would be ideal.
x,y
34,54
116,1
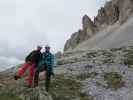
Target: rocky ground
x,y
80,75
85,72
103,74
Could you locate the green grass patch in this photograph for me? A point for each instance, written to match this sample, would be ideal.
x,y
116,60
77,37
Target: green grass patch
x,y
129,57
8,94
65,89
114,80
86,75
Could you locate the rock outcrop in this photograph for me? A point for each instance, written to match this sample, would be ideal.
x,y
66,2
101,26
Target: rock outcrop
x,y
58,55
114,11
125,9
88,26
83,34
107,15
37,93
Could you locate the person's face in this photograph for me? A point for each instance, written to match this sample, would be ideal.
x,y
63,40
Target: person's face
x,y
39,48
47,48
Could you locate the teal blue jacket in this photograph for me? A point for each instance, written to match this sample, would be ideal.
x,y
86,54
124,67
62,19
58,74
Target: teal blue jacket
x,y
48,59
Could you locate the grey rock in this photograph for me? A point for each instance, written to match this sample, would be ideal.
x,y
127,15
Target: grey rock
x,y
88,25
114,12
37,93
58,55
83,34
97,86
125,9
107,15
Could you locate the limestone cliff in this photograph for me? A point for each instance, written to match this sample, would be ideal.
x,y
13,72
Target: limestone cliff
x,y
88,29
114,11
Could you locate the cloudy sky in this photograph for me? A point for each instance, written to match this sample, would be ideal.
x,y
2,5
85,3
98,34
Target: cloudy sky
x,y
27,23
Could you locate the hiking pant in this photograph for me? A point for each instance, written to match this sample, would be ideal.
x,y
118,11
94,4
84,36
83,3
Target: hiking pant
x,y
31,67
47,76
48,80
37,71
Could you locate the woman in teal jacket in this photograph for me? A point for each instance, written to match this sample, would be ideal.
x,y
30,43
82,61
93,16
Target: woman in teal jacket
x,y
46,63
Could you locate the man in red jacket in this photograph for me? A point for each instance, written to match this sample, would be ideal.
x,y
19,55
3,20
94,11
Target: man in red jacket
x,y
30,62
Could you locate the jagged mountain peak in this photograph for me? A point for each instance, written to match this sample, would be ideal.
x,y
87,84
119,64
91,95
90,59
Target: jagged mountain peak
x,y
114,12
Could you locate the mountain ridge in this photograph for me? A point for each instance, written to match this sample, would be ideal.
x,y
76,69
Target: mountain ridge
x,y
114,12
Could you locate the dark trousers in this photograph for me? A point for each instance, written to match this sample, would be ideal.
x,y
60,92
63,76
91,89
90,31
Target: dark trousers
x,y
48,80
47,77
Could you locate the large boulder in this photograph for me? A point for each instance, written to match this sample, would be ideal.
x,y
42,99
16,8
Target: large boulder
x,y
58,55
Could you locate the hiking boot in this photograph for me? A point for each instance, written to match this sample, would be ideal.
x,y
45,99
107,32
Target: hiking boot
x,y
16,77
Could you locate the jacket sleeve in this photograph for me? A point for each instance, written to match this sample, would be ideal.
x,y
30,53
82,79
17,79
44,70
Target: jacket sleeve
x,y
28,57
52,60
40,57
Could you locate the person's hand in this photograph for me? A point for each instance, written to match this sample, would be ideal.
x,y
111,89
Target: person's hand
x,y
52,73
